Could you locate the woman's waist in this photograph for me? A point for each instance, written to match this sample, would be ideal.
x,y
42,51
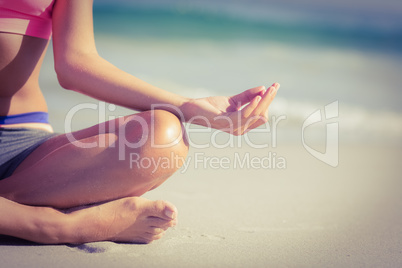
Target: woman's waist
x,y
39,120
31,117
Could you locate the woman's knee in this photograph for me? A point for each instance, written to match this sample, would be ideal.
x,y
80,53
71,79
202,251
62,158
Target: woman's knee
x,y
156,129
160,141
167,132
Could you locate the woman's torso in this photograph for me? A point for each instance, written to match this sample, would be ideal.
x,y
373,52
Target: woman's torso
x,y
20,64
20,61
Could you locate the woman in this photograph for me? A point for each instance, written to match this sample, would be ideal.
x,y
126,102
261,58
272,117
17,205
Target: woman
x,y
47,179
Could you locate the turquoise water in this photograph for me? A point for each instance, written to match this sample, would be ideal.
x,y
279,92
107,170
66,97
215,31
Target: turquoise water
x,y
319,52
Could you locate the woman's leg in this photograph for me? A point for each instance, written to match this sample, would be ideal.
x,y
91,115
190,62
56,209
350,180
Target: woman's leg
x,y
119,158
131,219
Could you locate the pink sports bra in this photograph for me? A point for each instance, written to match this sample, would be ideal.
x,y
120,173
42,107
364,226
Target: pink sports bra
x,y
27,17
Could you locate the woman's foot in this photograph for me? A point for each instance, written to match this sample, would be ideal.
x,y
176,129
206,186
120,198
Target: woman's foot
x,y
131,219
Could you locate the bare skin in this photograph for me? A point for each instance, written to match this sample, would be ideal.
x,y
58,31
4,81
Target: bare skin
x,y
139,220
33,182
131,219
86,189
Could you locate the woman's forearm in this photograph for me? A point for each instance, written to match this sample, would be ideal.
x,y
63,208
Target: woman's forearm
x,y
79,67
92,75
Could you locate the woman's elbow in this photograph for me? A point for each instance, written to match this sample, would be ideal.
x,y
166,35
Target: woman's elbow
x,y
64,74
71,68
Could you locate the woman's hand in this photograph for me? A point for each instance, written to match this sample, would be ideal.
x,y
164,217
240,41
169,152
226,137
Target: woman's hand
x,y
237,114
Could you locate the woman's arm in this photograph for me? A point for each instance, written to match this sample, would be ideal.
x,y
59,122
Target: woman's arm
x,y
79,67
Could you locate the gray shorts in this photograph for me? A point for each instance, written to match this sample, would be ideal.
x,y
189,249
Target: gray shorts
x,y
16,144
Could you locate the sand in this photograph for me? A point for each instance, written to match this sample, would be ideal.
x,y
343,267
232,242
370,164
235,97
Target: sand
x,y
305,215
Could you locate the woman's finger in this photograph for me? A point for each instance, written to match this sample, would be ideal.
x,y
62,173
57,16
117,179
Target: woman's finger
x,y
251,123
255,123
248,110
247,96
267,100
259,116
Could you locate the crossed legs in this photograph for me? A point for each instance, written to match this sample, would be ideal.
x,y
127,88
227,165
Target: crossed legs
x,y
107,166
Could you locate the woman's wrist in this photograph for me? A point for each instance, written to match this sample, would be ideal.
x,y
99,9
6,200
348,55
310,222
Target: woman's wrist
x,y
187,110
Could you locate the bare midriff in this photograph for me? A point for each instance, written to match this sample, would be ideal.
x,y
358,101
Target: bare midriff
x,y
20,63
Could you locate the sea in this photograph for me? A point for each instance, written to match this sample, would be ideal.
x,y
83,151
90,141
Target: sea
x,y
347,53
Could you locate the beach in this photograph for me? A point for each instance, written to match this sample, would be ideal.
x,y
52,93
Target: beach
x,y
306,215
318,186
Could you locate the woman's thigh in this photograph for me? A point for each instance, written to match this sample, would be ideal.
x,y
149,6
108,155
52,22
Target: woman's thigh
x,y
99,163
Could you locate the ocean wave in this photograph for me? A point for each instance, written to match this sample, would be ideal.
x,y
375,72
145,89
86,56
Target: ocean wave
x,y
354,122
346,19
